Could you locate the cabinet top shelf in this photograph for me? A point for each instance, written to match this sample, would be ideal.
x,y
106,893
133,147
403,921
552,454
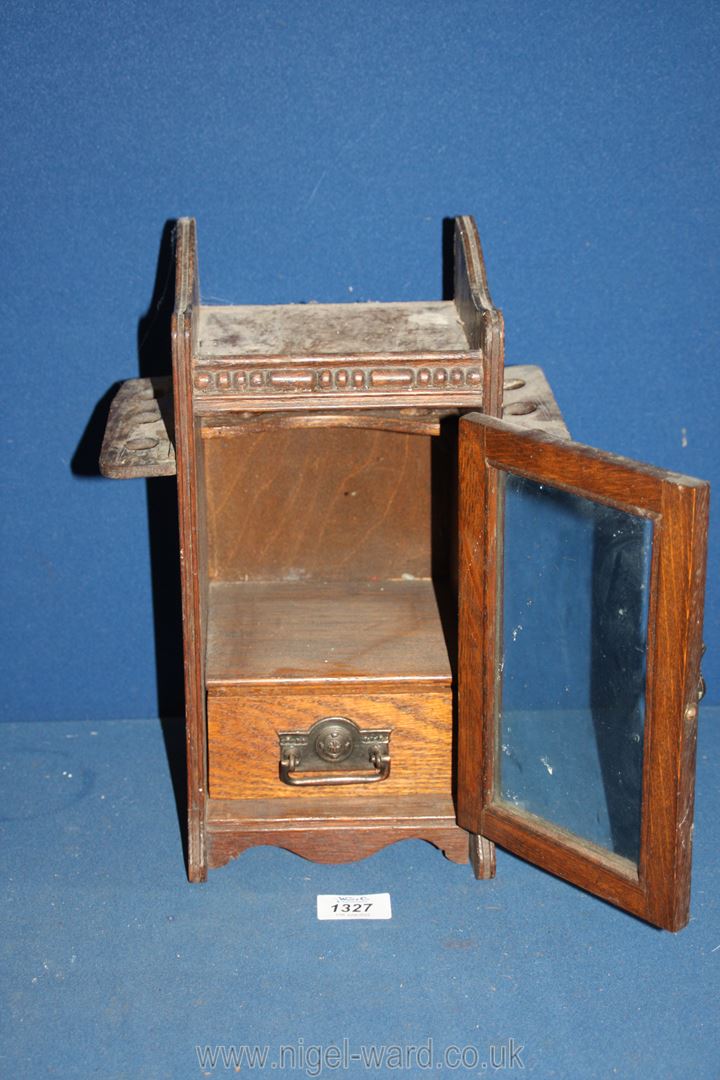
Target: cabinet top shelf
x,y
306,330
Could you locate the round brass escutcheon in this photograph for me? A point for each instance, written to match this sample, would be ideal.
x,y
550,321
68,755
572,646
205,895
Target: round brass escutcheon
x,y
335,741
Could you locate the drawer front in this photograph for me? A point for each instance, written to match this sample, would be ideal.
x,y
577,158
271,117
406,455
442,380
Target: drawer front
x,y
243,748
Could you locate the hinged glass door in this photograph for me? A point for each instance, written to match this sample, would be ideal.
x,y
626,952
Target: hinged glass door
x,y
581,590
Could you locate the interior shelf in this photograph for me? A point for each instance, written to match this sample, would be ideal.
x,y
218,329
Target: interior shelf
x,y
340,632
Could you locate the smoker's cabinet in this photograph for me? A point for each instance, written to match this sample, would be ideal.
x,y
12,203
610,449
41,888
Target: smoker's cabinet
x,y
412,607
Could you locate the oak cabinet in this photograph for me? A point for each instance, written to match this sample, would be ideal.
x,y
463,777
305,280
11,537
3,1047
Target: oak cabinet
x,y
412,606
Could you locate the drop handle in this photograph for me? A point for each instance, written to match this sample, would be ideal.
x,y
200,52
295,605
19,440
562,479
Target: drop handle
x,y
334,752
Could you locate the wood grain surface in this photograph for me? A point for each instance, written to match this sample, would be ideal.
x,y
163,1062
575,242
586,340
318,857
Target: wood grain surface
x,y
193,542
333,830
321,633
328,504
243,748
408,421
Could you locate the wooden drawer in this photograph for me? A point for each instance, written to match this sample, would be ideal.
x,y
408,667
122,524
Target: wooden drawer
x,y
243,751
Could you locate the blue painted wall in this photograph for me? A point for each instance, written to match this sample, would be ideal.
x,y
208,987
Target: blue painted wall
x,y
319,146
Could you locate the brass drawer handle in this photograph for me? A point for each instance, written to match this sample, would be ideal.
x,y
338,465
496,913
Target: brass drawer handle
x,y
333,744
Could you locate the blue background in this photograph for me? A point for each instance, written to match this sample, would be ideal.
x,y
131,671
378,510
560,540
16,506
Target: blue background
x,y
320,146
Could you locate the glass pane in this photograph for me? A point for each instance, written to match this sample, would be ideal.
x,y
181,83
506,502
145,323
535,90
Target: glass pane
x,y
572,712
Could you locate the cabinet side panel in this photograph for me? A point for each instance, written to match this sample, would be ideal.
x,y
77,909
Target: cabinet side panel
x,y
483,322
193,561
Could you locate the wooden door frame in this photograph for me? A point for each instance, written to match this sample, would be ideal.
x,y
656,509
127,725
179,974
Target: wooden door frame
x,y
658,888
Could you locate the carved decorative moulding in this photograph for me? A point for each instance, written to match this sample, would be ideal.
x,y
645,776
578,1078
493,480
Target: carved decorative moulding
x,y
431,381
139,439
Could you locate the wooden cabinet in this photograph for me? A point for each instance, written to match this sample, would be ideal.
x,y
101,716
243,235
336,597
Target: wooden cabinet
x,y
412,607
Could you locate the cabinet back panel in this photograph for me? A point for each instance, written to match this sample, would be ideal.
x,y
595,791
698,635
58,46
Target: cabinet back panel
x,y
325,504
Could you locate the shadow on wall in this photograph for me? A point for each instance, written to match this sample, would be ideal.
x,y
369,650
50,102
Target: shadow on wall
x,y
154,358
